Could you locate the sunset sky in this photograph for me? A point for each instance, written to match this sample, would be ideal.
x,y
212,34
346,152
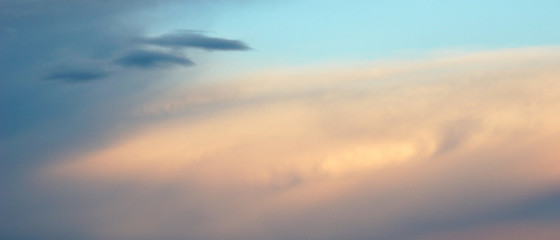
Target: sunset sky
x,y
279,120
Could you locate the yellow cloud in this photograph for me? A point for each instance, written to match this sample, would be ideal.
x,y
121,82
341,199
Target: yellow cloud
x,y
333,123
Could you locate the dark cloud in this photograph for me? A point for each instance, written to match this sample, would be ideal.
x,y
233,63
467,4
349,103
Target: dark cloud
x,y
36,33
195,40
77,75
540,208
47,7
150,59
543,207
86,37
147,59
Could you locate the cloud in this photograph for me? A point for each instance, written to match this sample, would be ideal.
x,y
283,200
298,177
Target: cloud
x,y
40,119
79,35
94,30
393,150
194,40
150,59
77,75
430,148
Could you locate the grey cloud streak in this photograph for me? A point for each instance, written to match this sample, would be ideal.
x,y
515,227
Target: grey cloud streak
x,y
194,40
150,59
40,30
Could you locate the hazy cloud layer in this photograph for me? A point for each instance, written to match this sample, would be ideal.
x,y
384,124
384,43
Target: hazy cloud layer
x,y
455,148
461,147
77,75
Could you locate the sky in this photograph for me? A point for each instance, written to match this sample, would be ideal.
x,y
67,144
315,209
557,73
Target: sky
x,y
245,119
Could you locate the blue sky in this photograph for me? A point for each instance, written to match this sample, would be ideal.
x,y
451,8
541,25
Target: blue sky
x,y
305,32
364,30
245,119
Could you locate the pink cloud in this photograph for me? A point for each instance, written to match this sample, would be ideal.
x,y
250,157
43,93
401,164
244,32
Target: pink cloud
x,y
375,151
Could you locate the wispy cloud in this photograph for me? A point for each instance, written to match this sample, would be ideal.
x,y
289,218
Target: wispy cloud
x,y
109,131
396,151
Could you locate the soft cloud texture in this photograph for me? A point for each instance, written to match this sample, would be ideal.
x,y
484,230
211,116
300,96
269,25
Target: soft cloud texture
x,y
460,147
428,149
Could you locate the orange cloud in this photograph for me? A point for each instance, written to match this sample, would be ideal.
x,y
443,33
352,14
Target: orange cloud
x,y
351,150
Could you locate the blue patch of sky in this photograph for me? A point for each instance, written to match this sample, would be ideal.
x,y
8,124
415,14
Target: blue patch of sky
x,y
311,31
